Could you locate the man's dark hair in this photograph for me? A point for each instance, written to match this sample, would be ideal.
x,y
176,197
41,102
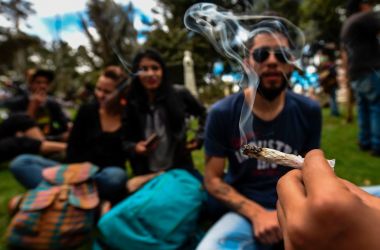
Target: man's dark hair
x,y
353,6
115,73
48,74
270,25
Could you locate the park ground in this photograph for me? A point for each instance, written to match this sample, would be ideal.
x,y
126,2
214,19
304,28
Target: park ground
x,y
338,142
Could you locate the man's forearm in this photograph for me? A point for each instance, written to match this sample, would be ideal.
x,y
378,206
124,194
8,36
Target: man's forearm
x,y
236,201
52,147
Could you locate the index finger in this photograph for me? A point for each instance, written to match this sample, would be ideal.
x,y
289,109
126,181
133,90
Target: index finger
x,y
318,176
291,191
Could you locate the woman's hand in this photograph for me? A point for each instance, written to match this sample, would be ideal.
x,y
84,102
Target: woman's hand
x,y
141,148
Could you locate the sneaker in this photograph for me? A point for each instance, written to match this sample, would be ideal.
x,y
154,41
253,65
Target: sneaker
x,y
364,147
375,152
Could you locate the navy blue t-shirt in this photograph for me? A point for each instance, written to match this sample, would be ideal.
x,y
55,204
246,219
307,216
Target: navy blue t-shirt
x,y
296,130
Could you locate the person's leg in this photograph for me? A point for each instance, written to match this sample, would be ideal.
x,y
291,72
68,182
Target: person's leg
x,y
374,190
350,104
11,147
375,127
334,111
374,107
27,169
34,132
232,231
363,122
111,183
16,123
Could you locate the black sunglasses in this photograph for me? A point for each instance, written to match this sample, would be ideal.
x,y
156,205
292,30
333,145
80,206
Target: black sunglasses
x,y
282,54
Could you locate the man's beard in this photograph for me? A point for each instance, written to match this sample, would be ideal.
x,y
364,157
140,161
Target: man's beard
x,y
271,93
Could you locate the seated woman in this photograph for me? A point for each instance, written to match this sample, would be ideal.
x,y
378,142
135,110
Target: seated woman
x,y
96,136
156,121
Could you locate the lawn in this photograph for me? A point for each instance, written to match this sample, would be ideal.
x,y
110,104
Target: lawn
x,y
338,142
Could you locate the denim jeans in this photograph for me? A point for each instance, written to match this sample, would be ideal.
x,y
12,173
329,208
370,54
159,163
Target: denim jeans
x,y
27,169
231,232
374,190
334,111
367,92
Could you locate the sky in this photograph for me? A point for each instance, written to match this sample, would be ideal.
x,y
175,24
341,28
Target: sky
x,y
43,23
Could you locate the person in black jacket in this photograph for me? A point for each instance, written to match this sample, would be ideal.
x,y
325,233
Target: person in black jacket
x,y
96,137
157,112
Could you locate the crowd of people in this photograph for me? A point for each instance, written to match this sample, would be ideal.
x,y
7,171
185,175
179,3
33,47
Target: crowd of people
x,y
142,118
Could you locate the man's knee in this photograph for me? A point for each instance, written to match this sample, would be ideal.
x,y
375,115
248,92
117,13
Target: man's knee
x,y
112,177
232,231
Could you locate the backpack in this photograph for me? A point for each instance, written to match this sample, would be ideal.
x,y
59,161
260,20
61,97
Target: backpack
x,y
162,215
59,213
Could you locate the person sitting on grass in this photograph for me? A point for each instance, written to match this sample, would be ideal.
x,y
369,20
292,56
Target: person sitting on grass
x,y
41,107
97,136
246,193
159,109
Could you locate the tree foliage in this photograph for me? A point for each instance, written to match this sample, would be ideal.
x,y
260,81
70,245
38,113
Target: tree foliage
x,y
113,37
16,10
320,19
115,31
173,39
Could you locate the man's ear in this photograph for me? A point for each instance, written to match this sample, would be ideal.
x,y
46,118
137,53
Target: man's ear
x,y
246,64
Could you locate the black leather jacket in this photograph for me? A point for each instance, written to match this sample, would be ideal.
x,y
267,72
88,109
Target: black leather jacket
x,y
136,124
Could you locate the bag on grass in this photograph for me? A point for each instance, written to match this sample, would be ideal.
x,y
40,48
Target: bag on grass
x,y
59,213
160,216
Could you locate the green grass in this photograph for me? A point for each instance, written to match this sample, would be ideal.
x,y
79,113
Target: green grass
x,y
338,142
8,188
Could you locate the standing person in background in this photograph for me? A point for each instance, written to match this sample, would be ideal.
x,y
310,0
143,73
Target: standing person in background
x,y
328,78
361,49
246,193
97,137
158,110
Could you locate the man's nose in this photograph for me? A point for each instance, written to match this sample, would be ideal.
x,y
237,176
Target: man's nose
x,y
272,59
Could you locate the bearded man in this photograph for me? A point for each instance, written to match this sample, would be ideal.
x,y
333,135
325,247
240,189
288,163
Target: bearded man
x,y
246,192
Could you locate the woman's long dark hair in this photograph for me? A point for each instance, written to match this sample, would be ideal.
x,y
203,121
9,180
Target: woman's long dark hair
x,y
164,94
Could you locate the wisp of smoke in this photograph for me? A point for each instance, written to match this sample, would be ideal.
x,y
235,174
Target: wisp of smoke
x,y
229,34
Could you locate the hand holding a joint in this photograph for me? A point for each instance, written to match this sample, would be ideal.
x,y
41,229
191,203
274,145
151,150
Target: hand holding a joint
x,y
318,210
